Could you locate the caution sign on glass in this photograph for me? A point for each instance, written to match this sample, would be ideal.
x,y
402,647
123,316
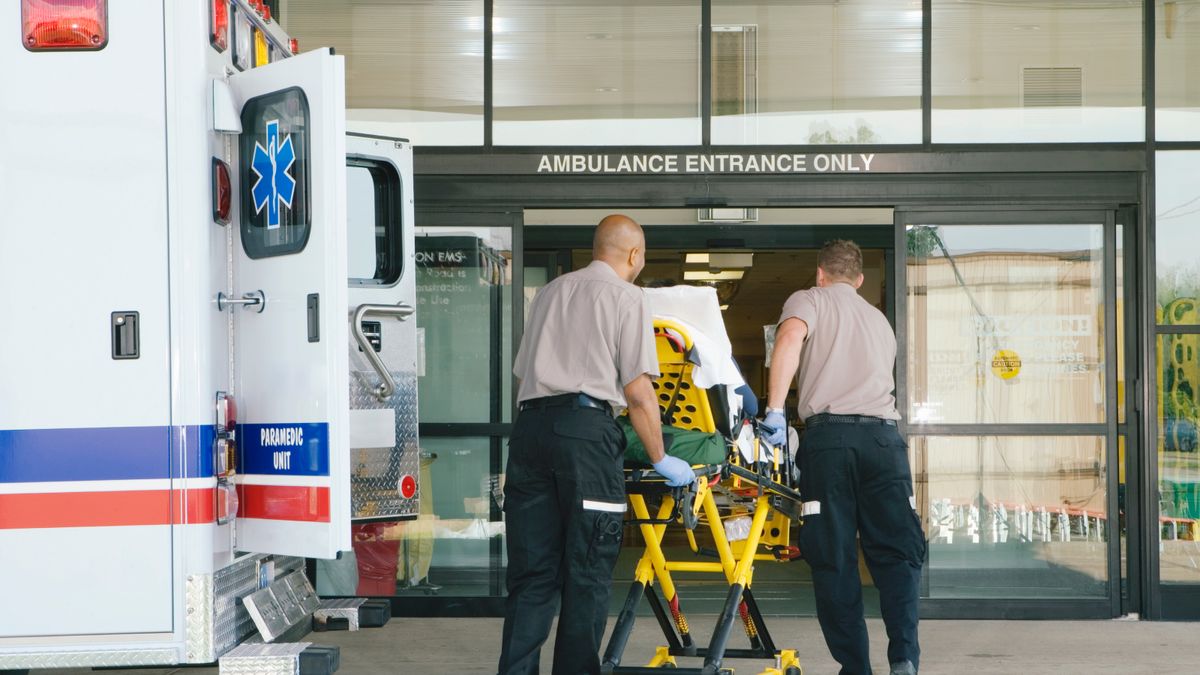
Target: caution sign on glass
x,y
1006,364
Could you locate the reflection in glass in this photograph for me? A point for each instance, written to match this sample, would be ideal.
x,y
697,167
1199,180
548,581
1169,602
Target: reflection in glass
x,y
1032,72
815,73
1177,202
1176,75
453,548
1006,324
414,69
1013,517
1120,321
464,281
1179,457
596,73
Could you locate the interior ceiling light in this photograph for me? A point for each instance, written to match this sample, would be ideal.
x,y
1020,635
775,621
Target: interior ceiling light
x,y
727,260
607,89
696,258
723,275
724,307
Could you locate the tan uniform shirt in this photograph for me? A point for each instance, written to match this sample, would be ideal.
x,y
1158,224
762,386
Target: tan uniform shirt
x,y
589,332
846,364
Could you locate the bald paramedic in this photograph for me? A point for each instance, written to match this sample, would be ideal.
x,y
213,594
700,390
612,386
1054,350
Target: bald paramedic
x,y
854,472
587,353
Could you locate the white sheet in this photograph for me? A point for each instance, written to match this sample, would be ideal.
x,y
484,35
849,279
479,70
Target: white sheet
x,y
698,311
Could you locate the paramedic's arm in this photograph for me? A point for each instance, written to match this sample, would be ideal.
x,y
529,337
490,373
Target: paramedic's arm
x,y
785,359
644,416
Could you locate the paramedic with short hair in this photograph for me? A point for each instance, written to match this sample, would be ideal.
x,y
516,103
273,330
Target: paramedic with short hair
x,y
854,471
588,351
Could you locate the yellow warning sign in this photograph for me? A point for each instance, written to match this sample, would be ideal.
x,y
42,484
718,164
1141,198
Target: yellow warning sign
x,y
1006,364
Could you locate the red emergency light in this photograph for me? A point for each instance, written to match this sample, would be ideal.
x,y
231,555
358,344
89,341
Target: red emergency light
x,y
219,22
52,25
222,192
294,45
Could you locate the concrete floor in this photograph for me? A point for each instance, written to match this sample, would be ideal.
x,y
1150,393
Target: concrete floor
x,y
470,646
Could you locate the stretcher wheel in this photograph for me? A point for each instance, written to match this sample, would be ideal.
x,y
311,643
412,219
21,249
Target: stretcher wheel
x,y
793,670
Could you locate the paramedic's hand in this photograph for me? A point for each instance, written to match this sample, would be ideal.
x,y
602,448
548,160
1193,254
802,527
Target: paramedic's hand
x,y
775,427
677,472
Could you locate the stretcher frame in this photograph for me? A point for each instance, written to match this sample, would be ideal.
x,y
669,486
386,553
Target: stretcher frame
x,y
764,484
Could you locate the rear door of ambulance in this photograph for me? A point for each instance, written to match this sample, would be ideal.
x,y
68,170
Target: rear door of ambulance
x,y
290,330
385,457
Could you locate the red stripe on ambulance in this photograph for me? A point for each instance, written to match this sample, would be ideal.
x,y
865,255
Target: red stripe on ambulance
x,y
106,509
284,502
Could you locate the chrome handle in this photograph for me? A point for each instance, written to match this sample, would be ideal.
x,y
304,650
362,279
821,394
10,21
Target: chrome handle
x,y
251,299
401,312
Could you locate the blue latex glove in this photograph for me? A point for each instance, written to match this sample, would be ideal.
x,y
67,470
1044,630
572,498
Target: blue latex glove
x,y
677,472
775,428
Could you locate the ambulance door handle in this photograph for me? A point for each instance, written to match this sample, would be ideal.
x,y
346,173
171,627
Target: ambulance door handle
x,y
251,299
387,386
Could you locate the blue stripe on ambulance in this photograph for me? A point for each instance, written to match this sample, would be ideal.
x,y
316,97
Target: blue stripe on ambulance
x,y
105,453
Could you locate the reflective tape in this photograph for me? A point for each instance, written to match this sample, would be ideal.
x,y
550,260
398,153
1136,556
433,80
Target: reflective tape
x,y
810,509
607,507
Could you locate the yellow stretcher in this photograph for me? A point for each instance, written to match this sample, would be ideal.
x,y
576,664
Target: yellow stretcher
x,y
761,491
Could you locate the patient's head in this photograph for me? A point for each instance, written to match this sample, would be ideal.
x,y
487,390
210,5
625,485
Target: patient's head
x,y
840,262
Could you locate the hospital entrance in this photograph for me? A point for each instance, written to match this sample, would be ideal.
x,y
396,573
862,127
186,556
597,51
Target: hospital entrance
x,y
1011,375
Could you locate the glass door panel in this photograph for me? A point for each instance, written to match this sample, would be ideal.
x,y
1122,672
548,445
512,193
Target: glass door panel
x,y
1011,403
1007,324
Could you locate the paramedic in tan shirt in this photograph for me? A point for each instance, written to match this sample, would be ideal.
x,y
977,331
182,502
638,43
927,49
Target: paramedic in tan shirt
x,y
587,353
854,472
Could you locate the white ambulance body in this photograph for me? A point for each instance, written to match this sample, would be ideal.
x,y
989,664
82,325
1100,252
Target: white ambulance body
x,y
135,514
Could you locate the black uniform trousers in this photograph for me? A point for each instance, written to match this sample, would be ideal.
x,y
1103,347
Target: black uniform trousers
x,y
855,479
564,503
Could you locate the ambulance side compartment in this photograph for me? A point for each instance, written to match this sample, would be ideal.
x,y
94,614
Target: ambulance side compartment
x,y
86,432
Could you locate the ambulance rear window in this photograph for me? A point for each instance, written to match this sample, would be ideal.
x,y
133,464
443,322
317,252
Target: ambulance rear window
x,y
273,155
373,222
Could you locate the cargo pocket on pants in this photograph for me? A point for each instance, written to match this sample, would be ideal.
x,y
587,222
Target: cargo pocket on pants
x,y
607,531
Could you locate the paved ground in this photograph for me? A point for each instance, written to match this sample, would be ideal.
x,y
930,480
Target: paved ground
x,y
470,646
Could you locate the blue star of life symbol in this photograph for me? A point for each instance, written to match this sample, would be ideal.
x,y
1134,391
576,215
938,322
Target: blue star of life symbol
x,y
274,185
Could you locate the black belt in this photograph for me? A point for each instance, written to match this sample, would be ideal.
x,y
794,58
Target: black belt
x,y
580,400
827,418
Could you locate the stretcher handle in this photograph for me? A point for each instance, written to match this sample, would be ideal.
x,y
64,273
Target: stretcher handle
x,y
400,311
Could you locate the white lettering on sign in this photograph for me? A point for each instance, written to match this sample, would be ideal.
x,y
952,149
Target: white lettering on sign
x,y
277,436
431,257
1063,325
706,163
282,460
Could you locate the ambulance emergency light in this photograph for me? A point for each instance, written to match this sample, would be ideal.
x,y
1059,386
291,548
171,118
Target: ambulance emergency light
x,y
54,25
243,41
219,22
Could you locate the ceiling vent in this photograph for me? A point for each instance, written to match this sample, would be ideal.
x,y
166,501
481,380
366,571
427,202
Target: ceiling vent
x,y
727,215
1051,87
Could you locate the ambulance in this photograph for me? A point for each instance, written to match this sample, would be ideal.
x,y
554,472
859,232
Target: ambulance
x,y
208,353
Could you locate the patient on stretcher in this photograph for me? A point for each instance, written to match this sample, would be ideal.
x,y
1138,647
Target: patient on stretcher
x,y
696,358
